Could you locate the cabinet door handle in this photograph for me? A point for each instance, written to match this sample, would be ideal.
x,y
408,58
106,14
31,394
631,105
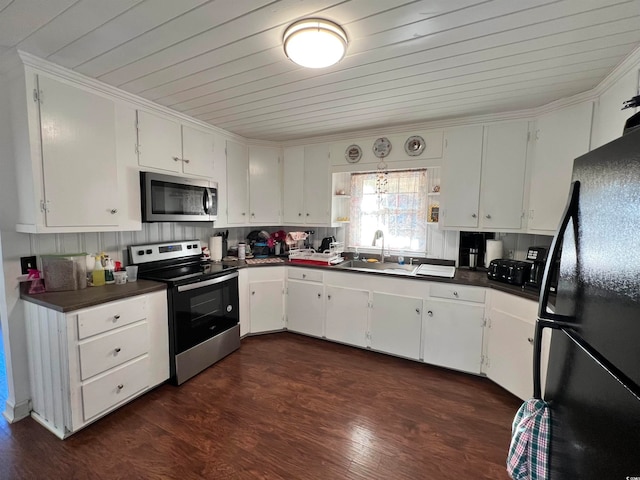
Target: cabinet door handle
x,y
530,340
176,159
120,387
243,214
253,293
328,297
487,216
117,349
418,311
455,294
304,275
430,313
185,160
114,211
307,214
473,215
299,214
319,295
253,214
116,318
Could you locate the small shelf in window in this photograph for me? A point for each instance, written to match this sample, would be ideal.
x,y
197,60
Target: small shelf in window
x,y
342,196
341,221
433,194
432,223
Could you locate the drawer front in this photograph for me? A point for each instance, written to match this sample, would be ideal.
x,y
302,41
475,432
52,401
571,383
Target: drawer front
x,y
111,315
115,387
457,292
305,274
102,353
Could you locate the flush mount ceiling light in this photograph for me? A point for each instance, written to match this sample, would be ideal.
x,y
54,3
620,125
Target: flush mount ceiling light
x,y
315,43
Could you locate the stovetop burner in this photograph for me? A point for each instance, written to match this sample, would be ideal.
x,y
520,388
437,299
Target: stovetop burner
x,y
175,262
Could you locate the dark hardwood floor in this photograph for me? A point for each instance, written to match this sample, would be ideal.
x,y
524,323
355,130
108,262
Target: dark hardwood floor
x,y
286,407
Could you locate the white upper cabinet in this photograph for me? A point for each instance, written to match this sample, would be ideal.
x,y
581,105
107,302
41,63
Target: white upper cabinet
x,y
237,183
293,185
166,144
253,184
460,192
265,199
78,156
503,175
561,136
483,176
306,185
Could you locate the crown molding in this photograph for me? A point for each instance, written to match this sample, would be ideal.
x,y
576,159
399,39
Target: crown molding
x,y
631,61
45,66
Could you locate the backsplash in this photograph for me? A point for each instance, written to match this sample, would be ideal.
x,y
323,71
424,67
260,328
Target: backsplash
x,y
519,243
442,244
115,244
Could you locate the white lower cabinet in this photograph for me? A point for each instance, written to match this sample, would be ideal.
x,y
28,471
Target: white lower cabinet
x,y
510,334
305,307
453,335
396,324
266,299
347,314
85,363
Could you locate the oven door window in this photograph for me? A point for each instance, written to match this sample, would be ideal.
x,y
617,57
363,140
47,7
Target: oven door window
x,y
205,312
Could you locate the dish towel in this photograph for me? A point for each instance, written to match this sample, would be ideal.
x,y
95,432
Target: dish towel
x,y
530,436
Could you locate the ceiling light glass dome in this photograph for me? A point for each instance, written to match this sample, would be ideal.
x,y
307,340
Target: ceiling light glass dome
x,y
315,43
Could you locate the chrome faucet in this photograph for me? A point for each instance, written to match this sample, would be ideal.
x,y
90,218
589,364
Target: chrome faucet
x,y
379,234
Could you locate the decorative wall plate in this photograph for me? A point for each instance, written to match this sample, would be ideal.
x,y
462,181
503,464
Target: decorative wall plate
x,y
353,153
414,146
381,147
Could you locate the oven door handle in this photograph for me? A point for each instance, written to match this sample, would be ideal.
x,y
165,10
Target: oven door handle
x,y
206,283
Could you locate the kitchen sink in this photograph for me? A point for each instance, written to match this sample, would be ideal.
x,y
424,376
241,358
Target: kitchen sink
x,y
393,268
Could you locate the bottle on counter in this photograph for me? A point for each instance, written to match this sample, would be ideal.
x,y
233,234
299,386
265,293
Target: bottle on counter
x,y
97,276
109,268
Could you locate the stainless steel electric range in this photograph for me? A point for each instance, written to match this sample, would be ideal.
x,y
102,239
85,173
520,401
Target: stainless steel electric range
x,y
202,301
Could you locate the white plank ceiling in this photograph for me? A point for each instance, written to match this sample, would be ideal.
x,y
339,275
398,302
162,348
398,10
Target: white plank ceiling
x,y
221,61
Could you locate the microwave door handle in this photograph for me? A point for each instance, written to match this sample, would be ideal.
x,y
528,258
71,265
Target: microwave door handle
x,y
570,211
206,200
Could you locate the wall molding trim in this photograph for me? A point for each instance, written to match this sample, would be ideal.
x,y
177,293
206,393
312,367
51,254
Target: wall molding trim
x,y
15,412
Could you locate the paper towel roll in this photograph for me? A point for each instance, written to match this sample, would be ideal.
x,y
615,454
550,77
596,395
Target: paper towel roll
x,y
493,251
215,247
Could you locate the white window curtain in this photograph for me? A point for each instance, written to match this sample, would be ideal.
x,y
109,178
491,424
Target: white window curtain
x,y
394,202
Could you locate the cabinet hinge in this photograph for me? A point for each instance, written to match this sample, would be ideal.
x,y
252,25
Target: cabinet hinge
x,y
446,143
137,148
370,304
283,292
488,322
37,95
44,206
528,136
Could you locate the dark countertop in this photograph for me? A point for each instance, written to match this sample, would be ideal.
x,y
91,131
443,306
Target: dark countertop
x,y
464,276
90,296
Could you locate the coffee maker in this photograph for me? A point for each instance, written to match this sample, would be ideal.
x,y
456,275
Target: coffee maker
x,y
538,258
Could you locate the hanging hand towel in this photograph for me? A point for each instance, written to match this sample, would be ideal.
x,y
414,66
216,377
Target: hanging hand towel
x,y
530,436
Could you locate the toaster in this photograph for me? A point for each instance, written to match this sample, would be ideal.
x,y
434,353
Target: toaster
x,y
514,272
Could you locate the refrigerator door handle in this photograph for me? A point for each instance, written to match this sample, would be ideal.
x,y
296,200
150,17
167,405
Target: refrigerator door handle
x,y
596,356
570,211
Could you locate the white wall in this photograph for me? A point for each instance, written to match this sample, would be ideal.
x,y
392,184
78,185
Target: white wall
x,y
609,119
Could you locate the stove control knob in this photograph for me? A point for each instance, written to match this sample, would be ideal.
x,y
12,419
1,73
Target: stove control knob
x,y
195,245
189,247
148,252
140,252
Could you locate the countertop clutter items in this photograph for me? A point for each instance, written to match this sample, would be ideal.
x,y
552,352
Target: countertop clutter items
x,y
64,272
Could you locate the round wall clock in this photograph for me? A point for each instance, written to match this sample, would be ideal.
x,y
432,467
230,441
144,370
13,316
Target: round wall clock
x,y
353,153
381,147
414,146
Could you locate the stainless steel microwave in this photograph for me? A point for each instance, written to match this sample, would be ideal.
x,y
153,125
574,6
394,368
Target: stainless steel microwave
x,y
166,198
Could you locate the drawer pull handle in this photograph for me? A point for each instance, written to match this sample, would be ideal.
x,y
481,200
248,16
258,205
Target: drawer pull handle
x,y
114,211
430,313
455,294
118,349
488,216
530,340
304,275
116,318
319,295
120,387
473,215
329,297
418,311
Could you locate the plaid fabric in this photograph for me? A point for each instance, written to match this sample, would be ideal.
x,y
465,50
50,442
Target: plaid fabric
x,y
530,435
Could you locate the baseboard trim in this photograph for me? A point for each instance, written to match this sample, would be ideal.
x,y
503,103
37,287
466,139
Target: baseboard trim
x,y
16,412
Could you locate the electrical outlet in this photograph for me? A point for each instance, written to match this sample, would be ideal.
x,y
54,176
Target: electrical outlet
x,y
28,263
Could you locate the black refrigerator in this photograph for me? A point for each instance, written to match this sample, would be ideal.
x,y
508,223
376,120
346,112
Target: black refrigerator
x,y
594,357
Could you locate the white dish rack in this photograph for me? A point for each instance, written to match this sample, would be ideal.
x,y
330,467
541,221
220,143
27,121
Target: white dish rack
x,y
330,257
